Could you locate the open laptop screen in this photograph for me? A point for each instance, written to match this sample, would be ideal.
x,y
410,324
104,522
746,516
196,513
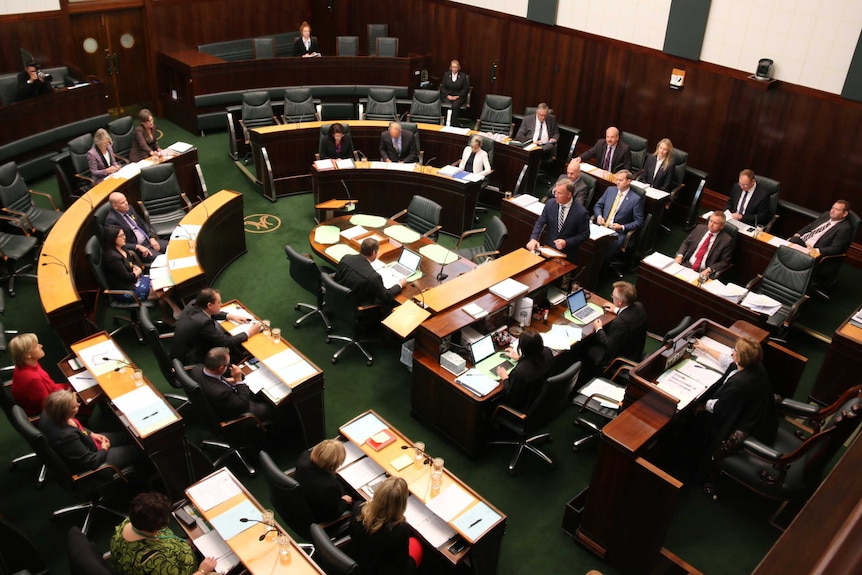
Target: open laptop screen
x,y
409,260
482,348
576,300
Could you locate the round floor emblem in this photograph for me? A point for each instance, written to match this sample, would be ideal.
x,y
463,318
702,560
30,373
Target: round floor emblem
x,y
261,223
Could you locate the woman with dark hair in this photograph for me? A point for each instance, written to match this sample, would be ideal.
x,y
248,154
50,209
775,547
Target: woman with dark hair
x,y
382,544
315,472
337,144
143,544
145,144
522,384
124,274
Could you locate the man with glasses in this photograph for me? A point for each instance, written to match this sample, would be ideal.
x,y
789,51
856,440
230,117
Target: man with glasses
x,y
541,129
706,250
140,236
747,203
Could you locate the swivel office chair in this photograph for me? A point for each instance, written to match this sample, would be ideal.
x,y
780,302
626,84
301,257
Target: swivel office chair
x,y
827,267
331,559
304,271
386,47
496,115
423,216
495,234
426,107
84,558
376,31
78,149
162,203
15,249
341,301
347,46
785,280
298,106
16,201
638,146
263,48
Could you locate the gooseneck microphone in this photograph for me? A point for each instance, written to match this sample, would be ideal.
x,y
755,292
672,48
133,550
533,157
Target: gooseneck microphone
x,y
119,360
350,206
57,262
270,528
421,294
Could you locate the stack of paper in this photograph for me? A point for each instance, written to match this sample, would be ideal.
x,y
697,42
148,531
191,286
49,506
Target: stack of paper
x,y
145,409
474,311
322,165
761,303
706,359
82,381
290,367
432,528
212,545
477,382
605,388
361,472
103,357
597,232
658,260
448,170
180,147
508,289
450,502
346,164
360,430
561,337
731,291
214,490
686,274
856,320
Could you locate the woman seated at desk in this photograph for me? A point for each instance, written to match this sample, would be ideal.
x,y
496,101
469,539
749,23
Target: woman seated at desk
x,y
522,384
145,143
305,46
315,472
474,159
124,274
144,544
658,168
382,544
100,158
31,384
337,145
81,449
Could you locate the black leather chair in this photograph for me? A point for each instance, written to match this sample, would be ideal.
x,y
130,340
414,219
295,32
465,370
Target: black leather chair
x,y
347,46
122,132
242,433
425,107
786,280
298,106
496,115
331,559
387,47
18,554
495,234
100,216
285,494
381,105
679,158
791,468
263,48
15,249
256,112
304,271
638,146
344,307
6,402
595,410
94,486
591,189
773,188
423,216
337,111
78,149
413,128
827,267
84,558
550,403
376,31
154,339
16,201
162,201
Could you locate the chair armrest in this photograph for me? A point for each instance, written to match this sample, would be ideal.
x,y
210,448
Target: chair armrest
x,y
21,215
244,131
399,214
433,230
85,178
754,282
186,200
794,310
144,213
16,222
467,234
598,396
485,254
618,365
243,418
122,158
798,408
44,195
771,223
122,292
761,450
673,194
716,275
822,259
103,467
511,411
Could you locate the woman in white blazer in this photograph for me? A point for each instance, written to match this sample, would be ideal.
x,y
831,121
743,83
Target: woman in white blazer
x,y
479,164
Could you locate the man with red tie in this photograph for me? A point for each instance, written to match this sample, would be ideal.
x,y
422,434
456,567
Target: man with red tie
x,y
706,250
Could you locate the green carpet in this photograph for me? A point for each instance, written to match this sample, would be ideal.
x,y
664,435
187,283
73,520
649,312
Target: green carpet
x,y
726,536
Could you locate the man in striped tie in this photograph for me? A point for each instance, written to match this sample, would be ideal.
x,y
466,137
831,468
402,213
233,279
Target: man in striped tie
x,y
565,221
830,234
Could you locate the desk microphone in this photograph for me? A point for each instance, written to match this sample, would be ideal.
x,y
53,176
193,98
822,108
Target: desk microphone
x,y
118,359
350,206
57,262
270,528
188,233
421,294
401,117
428,163
441,276
362,155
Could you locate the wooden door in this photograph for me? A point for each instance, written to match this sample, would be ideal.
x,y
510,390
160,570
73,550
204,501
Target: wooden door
x,y
113,47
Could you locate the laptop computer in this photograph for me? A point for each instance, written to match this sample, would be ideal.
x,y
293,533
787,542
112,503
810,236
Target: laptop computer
x,y
487,359
577,302
407,264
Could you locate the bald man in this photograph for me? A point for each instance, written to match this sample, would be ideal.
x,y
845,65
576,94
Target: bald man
x,y
397,145
573,173
140,237
609,154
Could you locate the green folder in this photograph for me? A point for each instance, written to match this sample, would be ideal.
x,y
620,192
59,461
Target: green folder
x,y
367,221
327,234
338,251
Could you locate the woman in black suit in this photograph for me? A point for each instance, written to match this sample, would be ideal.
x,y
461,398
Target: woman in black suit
x,y
382,544
522,384
658,168
315,472
305,46
81,449
337,144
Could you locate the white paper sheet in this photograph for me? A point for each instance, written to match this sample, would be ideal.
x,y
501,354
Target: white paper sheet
x,y
214,490
361,472
451,501
212,545
433,529
82,381
606,388
93,357
182,263
363,428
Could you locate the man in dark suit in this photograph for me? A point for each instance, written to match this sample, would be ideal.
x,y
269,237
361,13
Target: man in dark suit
x,y
221,383
610,154
540,128
30,84
355,272
566,222
140,237
623,337
453,89
581,190
830,234
706,249
397,145
621,209
747,203
198,329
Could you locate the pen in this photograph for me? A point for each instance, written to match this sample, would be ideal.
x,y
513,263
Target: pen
x,y
150,415
475,523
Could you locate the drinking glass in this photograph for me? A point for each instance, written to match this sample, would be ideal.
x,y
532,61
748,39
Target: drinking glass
x,y
276,335
419,453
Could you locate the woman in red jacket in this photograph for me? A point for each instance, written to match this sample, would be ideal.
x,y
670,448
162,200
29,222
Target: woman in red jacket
x,y
30,383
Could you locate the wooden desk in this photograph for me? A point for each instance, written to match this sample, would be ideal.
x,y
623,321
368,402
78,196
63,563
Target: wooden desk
x,y
185,74
841,366
365,184
258,557
389,252
519,222
67,287
304,393
289,151
482,553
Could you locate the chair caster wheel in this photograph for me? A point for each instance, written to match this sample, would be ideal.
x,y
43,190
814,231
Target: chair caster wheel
x,y
334,361
296,308
296,325
369,363
327,339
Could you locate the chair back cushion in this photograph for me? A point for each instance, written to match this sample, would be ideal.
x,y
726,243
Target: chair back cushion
x,y
423,214
413,128
552,398
122,133
257,109
376,31
331,559
299,105
346,45
78,149
787,276
680,164
387,47
381,104
160,193
287,498
263,48
773,188
303,270
496,114
99,217
638,146
93,249
84,558
426,107
340,300
495,234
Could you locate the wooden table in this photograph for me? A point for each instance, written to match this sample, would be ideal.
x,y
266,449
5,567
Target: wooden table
x,y
305,395
841,366
481,553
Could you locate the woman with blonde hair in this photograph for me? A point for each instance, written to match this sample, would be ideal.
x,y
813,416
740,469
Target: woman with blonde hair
x,y
382,544
31,384
100,158
658,168
315,472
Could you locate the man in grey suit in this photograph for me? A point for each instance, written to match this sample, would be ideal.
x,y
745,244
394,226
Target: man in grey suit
x,y
610,154
397,145
621,209
706,249
540,128
579,186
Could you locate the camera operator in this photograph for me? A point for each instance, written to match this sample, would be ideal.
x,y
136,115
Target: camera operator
x,y
33,82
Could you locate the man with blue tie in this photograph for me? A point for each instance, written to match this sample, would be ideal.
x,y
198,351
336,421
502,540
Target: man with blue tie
x,y
140,237
620,209
397,145
566,222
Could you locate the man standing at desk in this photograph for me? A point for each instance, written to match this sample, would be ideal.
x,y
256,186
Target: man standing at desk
x,y
355,272
620,209
623,337
222,386
747,203
397,145
453,89
140,236
566,222
706,249
198,329
541,129
610,154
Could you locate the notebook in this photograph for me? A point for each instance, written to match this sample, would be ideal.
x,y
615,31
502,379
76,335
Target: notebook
x,y
579,309
406,266
487,359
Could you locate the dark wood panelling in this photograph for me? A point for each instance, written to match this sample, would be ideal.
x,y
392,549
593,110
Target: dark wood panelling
x,y
43,34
